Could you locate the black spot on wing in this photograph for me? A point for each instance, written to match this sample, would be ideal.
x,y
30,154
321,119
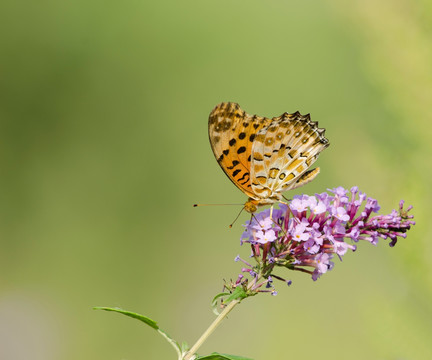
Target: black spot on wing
x,y
242,178
235,172
234,164
245,182
241,150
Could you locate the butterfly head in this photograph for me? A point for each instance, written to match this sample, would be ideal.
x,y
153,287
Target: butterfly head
x,y
251,205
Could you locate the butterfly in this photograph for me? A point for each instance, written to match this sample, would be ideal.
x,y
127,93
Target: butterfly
x,y
264,157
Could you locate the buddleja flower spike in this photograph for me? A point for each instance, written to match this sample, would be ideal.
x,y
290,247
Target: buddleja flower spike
x,y
310,231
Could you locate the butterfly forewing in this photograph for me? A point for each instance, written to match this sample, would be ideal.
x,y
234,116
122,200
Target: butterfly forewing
x,y
232,132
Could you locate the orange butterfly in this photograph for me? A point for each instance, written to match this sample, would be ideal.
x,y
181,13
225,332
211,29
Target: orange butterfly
x,y
264,157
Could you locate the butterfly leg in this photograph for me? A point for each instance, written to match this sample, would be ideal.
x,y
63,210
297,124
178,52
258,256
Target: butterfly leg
x,y
271,212
285,199
256,220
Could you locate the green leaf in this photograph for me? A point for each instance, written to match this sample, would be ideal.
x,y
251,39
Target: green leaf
x,y
217,356
147,321
131,314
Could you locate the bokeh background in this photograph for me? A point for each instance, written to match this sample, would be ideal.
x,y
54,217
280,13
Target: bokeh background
x,y
104,149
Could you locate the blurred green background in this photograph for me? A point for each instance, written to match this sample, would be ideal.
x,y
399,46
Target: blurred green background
x,y
104,149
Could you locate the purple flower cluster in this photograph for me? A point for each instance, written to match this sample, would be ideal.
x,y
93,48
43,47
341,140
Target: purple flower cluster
x,y
307,233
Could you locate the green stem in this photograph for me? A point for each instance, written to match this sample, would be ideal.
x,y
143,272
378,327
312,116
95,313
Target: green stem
x,y
210,329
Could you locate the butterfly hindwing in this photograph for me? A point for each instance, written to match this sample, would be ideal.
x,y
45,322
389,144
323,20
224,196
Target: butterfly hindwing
x,y
288,146
306,177
306,144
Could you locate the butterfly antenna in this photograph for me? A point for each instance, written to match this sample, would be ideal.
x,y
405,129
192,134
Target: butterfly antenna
x,y
236,217
196,205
